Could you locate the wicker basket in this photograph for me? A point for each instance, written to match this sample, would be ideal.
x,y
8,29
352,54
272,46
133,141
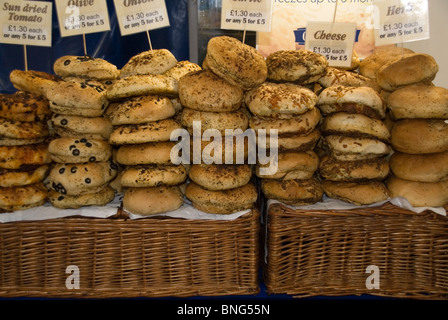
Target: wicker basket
x,y
151,257
311,253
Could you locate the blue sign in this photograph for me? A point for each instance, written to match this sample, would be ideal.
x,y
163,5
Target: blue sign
x,y
300,35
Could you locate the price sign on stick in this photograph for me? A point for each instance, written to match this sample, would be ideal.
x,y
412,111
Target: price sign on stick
x,y
82,16
26,23
250,15
399,21
333,40
140,16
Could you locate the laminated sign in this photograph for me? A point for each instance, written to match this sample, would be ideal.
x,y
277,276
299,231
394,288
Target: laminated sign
x,y
250,15
141,15
399,21
82,16
26,22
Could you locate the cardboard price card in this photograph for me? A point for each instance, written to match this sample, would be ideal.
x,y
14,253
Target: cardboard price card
x,y
26,22
139,16
82,16
333,40
398,21
250,15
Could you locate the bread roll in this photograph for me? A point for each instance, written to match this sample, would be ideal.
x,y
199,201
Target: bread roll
x,y
152,200
220,176
156,61
98,198
280,100
23,130
222,201
32,81
419,194
409,69
337,77
19,157
292,192
24,106
431,167
357,125
85,67
236,62
153,175
205,91
78,126
79,150
419,101
420,136
300,66
145,153
292,165
141,109
357,170
363,100
353,148
14,178
358,193
22,197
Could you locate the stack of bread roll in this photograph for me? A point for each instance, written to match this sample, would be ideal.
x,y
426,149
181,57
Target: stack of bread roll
x,y
144,112
213,98
355,144
419,133
24,158
287,103
83,167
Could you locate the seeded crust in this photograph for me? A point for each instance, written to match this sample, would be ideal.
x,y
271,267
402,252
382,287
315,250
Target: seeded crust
x,y
292,142
153,175
85,67
142,133
24,106
84,98
280,100
355,125
300,124
79,150
81,178
205,91
420,136
355,148
292,192
214,120
24,156
22,197
145,153
419,101
220,176
363,100
292,166
300,66
13,129
156,61
222,201
337,77
152,200
99,198
77,126
420,167
15,178
141,109
409,69
36,82
358,193
236,62
376,169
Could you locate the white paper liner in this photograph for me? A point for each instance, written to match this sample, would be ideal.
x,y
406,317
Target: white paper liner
x,y
47,211
335,204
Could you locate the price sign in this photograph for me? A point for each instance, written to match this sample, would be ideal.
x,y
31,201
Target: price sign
x,y
26,23
139,16
250,15
401,21
333,40
82,16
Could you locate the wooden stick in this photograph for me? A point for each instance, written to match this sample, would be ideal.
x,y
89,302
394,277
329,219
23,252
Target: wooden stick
x,y
84,41
25,57
149,40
